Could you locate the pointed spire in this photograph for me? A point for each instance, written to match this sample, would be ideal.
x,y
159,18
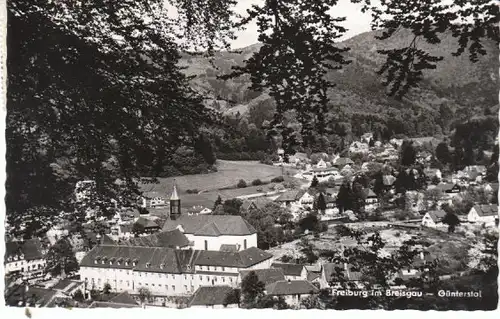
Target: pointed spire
x,y
174,195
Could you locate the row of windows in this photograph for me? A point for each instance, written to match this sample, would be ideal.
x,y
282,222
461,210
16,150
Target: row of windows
x,y
208,279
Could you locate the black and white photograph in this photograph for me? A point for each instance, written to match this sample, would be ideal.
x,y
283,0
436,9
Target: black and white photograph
x,y
251,154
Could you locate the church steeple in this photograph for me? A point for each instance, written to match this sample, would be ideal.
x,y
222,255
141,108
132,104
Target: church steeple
x,y
175,204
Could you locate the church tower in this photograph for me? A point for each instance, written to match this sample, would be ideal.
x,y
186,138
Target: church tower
x,y
175,204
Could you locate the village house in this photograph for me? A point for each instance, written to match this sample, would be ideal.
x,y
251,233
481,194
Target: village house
x,y
150,226
198,210
293,291
313,273
322,174
487,214
416,268
296,200
166,271
341,162
371,200
434,219
213,297
26,257
121,232
292,271
69,287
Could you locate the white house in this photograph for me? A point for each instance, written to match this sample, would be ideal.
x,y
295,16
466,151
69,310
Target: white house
x,y
166,271
292,271
306,200
199,210
487,214
27,258
293,291
433,219
210,232
371,199
321,164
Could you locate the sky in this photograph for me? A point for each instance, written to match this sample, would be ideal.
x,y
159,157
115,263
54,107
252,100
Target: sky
x,y
356,22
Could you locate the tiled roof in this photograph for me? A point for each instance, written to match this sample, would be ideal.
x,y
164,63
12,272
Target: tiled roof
x,y
210,296
124,298
172,239
293,287
437,215
147,223
229,248
312,276
151,259
267,276
289,269
225,224
343,161
369,193
290,196
241,259
209,230
31,249
114,305
445,186
486,210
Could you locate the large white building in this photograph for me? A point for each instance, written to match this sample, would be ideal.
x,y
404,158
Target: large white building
x,y
211,232
166,271
26,257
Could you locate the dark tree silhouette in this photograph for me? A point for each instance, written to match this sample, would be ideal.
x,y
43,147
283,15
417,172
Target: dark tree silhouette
x,y
452,221
251,289
61,259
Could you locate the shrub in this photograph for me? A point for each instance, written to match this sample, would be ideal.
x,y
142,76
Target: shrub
x,y
277,179
241,184
256,182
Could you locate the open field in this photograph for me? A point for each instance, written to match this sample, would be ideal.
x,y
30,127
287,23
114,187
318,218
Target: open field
x,y
211,185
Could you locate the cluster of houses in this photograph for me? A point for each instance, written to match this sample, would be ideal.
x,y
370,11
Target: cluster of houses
x,y
199,258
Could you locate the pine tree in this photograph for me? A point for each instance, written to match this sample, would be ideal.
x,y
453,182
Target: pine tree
x,y
218,202
314,182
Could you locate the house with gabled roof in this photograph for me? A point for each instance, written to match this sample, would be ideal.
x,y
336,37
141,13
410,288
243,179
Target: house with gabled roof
x,y
371,199
342,162
487,214
293,291
26,257
292,271
434,219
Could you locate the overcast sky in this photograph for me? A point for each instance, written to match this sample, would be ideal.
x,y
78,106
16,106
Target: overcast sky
x,y
356,22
